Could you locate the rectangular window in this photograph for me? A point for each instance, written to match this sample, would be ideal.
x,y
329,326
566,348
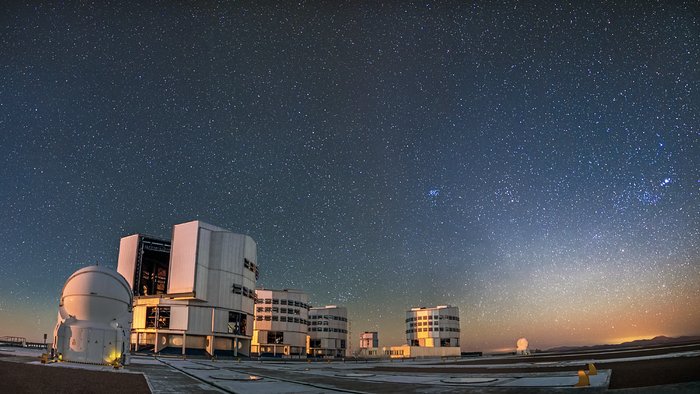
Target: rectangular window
x,y
275,337
158,317
237,323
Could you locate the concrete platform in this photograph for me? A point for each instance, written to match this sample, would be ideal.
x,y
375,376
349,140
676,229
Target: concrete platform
x,y
175,375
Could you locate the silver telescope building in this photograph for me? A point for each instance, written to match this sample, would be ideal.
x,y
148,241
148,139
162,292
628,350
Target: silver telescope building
x,y
193,294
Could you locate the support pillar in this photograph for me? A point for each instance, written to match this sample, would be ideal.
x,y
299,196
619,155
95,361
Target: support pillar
x,y
210,345
235,347
184,343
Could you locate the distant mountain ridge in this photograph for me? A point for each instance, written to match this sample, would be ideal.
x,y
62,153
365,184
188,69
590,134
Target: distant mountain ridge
x,y
660,340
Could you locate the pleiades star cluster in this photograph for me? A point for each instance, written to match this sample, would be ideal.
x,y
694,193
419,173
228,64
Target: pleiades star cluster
x,y
535,164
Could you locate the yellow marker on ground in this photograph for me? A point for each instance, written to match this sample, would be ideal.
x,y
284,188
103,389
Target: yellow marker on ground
x,y
592,370
582,379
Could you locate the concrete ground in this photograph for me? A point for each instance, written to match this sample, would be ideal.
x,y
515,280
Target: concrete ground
x,y
481,375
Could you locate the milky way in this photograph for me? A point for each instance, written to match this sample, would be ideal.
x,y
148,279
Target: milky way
x,y
536,165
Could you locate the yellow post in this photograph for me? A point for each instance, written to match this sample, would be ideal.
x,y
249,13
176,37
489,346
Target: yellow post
x,y
582,379
592,370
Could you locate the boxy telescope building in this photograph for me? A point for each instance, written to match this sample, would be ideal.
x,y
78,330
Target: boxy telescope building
x,y
194,294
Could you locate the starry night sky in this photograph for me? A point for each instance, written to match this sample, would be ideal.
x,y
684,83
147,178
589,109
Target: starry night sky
x,y
535,164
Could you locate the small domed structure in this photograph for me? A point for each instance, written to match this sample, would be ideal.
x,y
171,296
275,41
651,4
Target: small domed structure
x,y
94,317
522,347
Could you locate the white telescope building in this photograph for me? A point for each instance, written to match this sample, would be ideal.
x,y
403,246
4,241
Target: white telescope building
x,y
328,331
430,332
433,327
369,340
281,323
94,315
194,294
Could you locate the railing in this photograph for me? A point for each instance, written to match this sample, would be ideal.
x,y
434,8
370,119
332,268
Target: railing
x,y
21,342
36,345
13,341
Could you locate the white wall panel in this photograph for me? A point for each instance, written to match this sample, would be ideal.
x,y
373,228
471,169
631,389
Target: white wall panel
x,y
128,249
139,317
183,257
199,320
178,317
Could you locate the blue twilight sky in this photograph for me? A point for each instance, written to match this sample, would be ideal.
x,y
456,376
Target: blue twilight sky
x,y
536,164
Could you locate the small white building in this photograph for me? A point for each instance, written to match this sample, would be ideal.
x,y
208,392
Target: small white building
x,y
281,323
194,294
433,327
369,340
328,331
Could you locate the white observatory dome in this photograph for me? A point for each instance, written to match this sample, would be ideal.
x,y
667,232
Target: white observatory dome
x,y
94,318
522,346
96,294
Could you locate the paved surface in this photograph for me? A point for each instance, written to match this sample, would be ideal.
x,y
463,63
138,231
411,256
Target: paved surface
x,y
297,377
163,379
174,375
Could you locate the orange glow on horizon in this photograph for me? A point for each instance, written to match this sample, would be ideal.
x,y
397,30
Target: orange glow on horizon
x,y
615,341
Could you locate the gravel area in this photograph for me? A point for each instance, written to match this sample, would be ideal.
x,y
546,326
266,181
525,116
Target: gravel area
x,y
17,377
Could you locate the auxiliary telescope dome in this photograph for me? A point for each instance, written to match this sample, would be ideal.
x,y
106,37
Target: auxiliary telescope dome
x,y
522,346
96,294
94,317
